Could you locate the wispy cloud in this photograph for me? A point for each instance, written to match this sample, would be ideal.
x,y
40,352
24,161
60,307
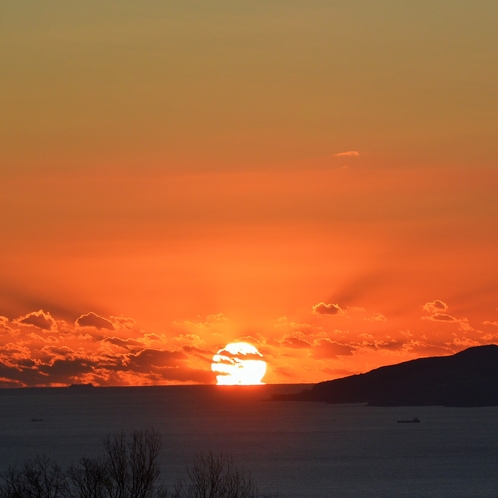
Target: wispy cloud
x,y
440,317
295,341
327,309
38,319
438,313
436,306
349,153
326,348
37,350
93,320
376,317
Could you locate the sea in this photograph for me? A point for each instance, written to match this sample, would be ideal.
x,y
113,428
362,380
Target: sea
x,y
298,449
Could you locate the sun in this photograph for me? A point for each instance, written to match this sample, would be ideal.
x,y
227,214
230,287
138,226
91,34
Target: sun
x,y
238,363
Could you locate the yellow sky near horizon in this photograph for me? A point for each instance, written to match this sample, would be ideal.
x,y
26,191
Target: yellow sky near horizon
x,y
195,173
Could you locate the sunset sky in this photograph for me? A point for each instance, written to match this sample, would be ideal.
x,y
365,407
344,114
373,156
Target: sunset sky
x,y
317,178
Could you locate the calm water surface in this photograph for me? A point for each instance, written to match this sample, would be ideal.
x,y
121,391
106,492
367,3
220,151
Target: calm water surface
x,y
302,450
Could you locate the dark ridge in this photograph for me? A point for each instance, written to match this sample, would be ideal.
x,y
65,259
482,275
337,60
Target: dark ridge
x,y
468,378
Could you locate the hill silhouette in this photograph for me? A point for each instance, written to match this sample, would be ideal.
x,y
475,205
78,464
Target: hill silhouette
x,y
468,378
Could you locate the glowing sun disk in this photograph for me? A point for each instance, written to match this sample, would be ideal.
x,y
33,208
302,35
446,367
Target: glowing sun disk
x,y
238,363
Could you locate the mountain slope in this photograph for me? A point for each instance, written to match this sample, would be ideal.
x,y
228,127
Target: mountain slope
x,y
468,378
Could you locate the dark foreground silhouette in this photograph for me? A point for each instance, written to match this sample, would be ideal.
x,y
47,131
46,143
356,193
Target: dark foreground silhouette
x,y
128,468
468,378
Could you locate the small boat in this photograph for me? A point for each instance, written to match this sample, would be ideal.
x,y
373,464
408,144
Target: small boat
x,y
410,421
36,420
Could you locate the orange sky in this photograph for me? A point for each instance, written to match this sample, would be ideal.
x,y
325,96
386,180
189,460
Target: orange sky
x,y
313,178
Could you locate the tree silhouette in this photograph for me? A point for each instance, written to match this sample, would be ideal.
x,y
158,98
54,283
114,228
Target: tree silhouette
x,y
216,476
37,478
128,468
